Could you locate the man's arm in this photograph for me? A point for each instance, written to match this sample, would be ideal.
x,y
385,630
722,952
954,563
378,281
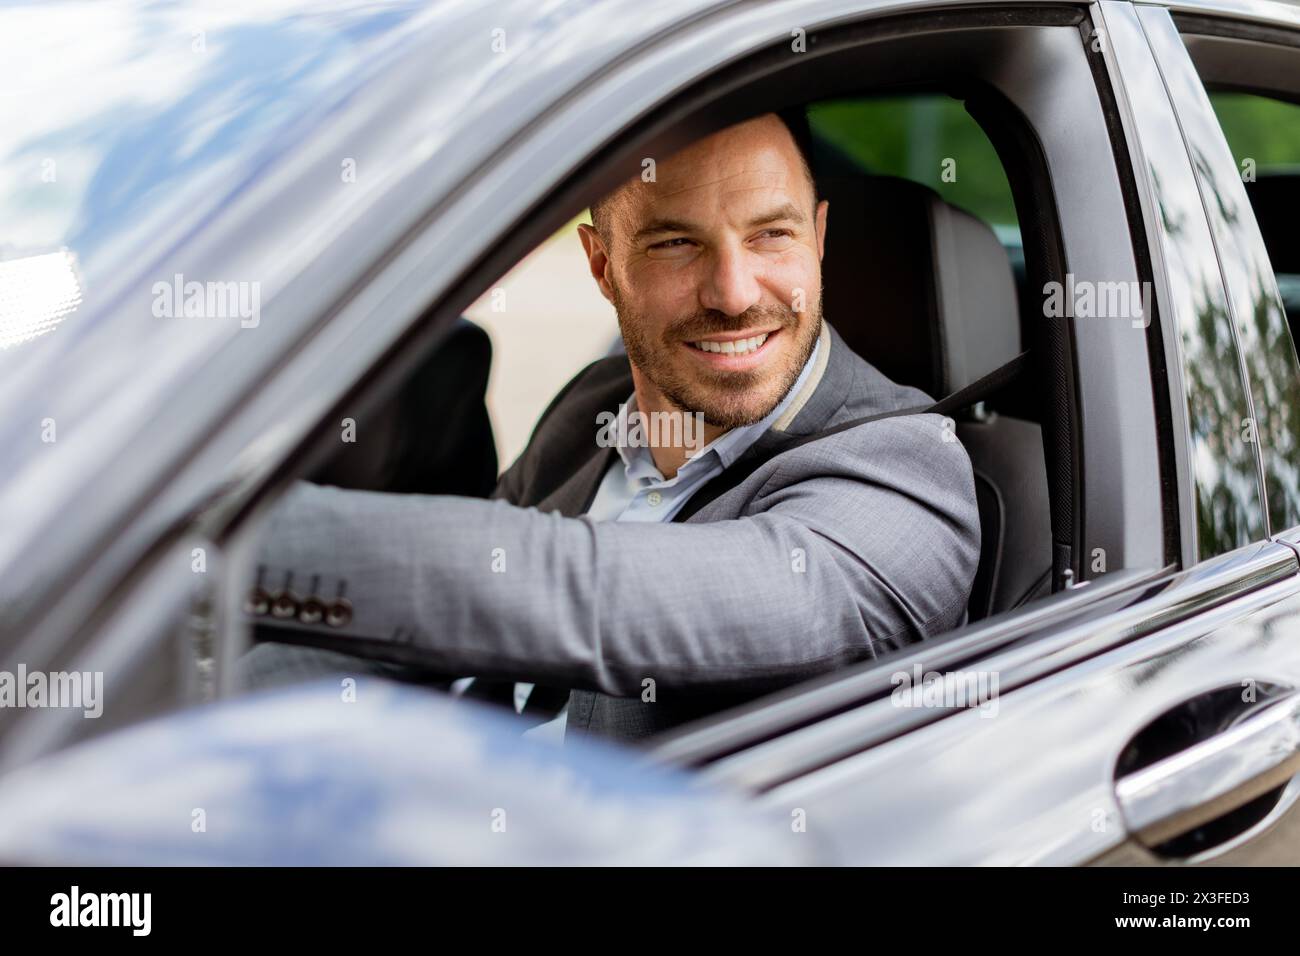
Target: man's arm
x,y
848,545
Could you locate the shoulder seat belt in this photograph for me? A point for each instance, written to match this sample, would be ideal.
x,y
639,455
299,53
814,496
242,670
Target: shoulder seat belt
x,y
748,463
545,702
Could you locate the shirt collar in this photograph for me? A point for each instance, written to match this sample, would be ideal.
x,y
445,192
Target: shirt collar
x,y
725,449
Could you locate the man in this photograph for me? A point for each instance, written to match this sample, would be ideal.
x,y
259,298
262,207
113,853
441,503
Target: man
x,y
665,581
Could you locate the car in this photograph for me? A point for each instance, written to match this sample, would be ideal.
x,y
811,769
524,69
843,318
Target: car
x,y
236,232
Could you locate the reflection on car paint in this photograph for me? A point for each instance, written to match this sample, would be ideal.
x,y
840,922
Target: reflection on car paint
x,y
1255,303
396,776
1228,503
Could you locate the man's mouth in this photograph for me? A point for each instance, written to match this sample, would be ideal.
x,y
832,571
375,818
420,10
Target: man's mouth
x,y
734,351
733,346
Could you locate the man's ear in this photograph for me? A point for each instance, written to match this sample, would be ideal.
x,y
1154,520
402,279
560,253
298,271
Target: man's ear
x,y
597,258
819,219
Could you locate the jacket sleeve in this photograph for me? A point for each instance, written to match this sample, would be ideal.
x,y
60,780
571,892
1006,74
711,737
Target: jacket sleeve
x,y
844,547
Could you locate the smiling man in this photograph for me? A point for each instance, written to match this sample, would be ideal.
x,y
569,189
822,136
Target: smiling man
x,y
716,280
645,583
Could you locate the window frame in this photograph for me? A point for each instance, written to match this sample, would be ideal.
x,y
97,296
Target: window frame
x,y
1118,376
1105,376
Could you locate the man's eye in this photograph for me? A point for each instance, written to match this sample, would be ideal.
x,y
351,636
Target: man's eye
x,y
677,248
774,234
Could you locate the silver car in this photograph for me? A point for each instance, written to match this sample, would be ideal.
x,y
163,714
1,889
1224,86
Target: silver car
x,y
345,181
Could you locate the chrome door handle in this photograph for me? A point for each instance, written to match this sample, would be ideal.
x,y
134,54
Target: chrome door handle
x,y
1214,776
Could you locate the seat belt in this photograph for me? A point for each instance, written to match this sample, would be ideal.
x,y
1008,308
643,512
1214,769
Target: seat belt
x,y
545,702
748,463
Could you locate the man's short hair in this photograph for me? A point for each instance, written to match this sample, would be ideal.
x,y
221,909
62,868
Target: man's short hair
x,y
795,120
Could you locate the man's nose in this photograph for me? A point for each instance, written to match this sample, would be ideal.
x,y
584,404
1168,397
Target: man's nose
x,y
731,285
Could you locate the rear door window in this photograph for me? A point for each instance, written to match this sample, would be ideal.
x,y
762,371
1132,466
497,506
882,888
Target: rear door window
x,y
1246,148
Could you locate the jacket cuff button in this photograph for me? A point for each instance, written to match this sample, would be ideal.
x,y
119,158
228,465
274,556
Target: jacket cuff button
x,y
284,605
339,613
312,611
258,602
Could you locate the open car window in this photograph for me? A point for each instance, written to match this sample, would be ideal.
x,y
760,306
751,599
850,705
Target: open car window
x,y
926,276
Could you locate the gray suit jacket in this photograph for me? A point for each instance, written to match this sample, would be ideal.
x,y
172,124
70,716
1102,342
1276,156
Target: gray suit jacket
x,y
831,552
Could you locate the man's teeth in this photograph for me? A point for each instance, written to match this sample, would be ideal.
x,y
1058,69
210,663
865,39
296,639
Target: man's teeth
x,y
738,347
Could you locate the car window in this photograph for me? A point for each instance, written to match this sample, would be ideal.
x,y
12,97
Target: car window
x,y
547,321
1245,146
929,139
1264,135
1195,210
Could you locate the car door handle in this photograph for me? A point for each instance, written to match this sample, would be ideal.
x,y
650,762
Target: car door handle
x,y
1213,776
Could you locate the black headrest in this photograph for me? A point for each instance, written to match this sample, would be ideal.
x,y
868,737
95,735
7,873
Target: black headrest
x,y
433,435
919,288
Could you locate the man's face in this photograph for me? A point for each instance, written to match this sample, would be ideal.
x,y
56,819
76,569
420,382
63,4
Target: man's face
x,y
715,272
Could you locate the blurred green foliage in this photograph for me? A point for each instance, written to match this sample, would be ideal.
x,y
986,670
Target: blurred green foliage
x,y
921,137
1259,128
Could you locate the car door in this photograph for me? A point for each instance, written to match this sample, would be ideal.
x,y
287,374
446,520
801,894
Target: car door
x,y
1160,722
378,276
1203,49
1081,676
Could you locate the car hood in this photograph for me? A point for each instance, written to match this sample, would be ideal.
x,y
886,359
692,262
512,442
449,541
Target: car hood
x,y
381,774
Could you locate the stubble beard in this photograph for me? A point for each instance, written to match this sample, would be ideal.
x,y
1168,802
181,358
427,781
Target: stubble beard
x,y
725,399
